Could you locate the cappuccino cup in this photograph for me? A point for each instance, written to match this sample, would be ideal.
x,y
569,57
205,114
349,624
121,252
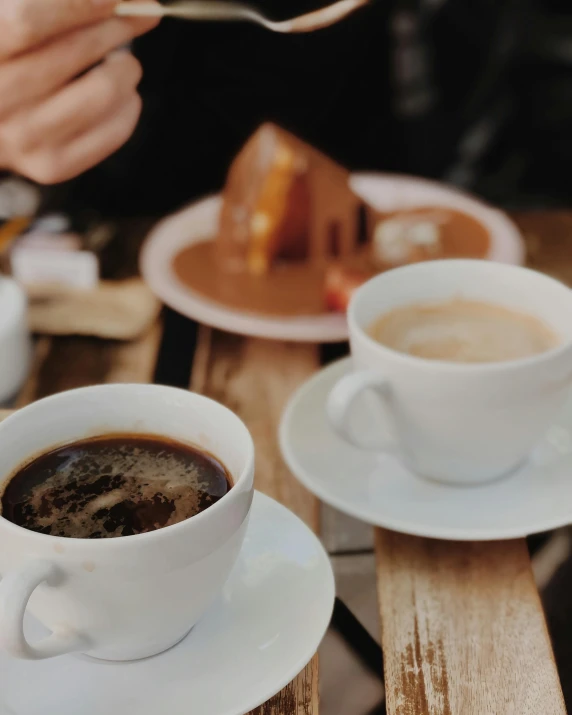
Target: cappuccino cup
x,y
132,596
468,362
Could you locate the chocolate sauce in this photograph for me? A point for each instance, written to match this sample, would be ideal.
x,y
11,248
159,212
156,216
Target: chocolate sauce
x,y
296,288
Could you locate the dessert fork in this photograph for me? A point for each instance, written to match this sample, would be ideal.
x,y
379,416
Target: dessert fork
x,y
220,10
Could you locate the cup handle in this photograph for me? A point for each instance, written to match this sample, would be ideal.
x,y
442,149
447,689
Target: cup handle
x,y
340,402
15,591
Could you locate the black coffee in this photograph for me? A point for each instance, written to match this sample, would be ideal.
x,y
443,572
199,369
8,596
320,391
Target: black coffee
x,y
117,485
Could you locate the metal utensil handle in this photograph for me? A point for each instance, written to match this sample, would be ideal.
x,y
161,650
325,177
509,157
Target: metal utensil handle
x,y
190,9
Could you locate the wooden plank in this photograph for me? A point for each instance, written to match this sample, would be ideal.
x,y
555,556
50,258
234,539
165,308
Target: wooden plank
x,y
255,378
298,698
463,629
69,362
548,235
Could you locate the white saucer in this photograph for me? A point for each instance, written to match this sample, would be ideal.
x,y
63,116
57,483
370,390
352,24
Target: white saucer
x,y
199,222
379,490
263,630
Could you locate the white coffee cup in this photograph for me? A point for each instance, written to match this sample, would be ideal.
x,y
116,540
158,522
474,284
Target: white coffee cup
x,y
15,341
133,596
456,422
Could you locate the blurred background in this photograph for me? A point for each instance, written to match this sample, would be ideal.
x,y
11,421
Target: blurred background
x,y
478,94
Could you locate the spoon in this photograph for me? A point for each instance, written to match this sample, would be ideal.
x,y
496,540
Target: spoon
x,y
222,10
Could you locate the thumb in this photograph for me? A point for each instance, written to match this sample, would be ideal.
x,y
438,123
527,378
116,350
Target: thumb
x,y
27,23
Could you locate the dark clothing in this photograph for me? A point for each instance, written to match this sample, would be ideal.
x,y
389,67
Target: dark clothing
x,y
471,93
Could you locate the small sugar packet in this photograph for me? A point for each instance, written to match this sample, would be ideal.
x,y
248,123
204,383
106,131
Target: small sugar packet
x,y
34,265
50,241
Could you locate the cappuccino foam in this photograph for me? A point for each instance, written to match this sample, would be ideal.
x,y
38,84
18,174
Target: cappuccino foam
x,y
463,331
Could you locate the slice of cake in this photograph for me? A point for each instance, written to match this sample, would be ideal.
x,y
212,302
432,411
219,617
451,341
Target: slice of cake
x,y
294,239
285,200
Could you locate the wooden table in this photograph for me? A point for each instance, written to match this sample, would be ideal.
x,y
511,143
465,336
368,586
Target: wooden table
x,y
462,627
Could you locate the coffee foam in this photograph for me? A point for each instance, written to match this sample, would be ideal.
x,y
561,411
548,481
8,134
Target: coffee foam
x,y
463,331
104,495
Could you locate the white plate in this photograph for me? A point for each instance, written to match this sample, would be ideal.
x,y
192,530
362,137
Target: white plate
x,y
378,489
384,191
268,623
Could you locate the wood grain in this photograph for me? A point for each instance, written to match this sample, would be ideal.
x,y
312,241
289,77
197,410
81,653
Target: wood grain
x,y
463,632
68,362
255,378
298,698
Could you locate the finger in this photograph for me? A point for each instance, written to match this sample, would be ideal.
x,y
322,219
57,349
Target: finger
x,y
55,165
80,105
28,23
39,73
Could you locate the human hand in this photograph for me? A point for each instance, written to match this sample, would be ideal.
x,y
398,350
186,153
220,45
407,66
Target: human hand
x,y
68,94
